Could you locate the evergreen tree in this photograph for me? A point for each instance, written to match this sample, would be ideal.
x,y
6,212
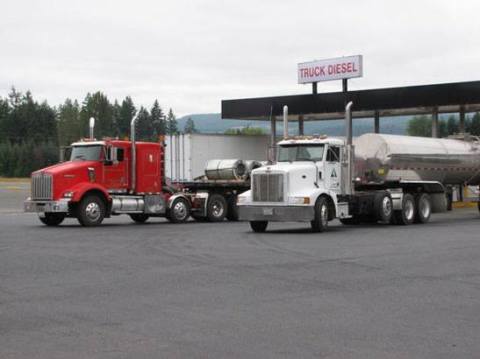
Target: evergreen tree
x,y
158,120
474,125
452,125
98,107
420,126
190,126
172,126
69,125
4,113
126,113
144,126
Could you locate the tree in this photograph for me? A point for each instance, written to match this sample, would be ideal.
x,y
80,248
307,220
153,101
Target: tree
x,y
250,131
474,125
98,107
69,125
123,117
144,126
158,120
172,126
190,126
4,113
452,125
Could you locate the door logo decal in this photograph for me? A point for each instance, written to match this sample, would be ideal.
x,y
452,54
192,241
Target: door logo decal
x,y
334,173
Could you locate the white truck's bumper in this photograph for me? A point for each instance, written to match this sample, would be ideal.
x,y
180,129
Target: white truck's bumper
x,y
38,206
276,213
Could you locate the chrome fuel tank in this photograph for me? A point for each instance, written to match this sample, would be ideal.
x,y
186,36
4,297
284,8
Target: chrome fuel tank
x,y
381,158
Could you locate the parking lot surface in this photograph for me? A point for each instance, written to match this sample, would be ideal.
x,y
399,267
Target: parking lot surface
x,y
202,290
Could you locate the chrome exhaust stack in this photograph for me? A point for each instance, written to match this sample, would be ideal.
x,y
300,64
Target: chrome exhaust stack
x,y
91,126
350,151
133,171
285,122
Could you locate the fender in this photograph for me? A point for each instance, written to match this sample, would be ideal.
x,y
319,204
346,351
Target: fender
x,y
174,197
80,189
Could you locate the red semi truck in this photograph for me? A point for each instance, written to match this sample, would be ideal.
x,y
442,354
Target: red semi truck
x,y
113,177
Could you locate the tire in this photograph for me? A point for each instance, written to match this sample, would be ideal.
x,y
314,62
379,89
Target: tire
x,y
383,207
179,211
52,219
91,210
320,223
407,214
259,226
423,208
217,208
139,217
232,213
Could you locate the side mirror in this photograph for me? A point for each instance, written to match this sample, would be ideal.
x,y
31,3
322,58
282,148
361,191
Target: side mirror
x,y
65,152
110,156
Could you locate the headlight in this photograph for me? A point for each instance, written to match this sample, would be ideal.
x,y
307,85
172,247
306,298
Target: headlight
x,y
299,200
68,194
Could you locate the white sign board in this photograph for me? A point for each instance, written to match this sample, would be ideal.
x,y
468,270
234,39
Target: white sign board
x,y
330,69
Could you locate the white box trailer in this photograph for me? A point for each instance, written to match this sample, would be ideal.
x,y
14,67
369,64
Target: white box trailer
x,y
187,154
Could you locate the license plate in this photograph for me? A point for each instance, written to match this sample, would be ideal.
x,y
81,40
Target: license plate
x,y
268,211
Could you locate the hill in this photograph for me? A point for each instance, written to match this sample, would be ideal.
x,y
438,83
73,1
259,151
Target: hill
x,y
212,123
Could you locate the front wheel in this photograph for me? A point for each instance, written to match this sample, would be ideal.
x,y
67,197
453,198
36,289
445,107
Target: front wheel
x,y
52,219
91,210
320,223
259,226
179,211
139,217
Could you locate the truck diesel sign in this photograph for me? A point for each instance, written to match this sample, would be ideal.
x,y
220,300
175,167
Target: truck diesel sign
x,y
330,69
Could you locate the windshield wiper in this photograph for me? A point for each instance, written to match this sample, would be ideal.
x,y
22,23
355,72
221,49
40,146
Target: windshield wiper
x,y
79,157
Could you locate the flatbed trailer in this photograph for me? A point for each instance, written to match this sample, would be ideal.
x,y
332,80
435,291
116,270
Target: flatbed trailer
x,y
213,200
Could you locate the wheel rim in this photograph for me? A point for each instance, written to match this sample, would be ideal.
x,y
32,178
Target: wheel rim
x,y
409,210
324,215
217,209
424,207
387,206
92,211
180,210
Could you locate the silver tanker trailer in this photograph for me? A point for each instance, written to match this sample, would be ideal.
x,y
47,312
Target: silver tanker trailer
x,y
376,178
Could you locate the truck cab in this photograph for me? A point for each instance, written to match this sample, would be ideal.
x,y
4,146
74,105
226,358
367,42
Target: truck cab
x,y
306,179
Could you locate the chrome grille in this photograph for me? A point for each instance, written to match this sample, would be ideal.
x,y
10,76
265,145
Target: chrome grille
x,y
267,187
42,186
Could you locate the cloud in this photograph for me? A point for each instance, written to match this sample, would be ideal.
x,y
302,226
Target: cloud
x,y
192,54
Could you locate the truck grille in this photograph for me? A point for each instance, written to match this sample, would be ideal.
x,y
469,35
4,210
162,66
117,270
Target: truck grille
x,y
267,187
42,186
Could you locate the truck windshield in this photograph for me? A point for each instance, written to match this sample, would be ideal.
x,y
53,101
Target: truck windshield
x,y
86,153
291,153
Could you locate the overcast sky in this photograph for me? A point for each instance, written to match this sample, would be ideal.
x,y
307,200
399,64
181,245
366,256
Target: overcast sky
x,y
192,54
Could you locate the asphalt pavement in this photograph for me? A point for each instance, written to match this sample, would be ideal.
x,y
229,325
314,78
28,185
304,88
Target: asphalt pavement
x,y
202,290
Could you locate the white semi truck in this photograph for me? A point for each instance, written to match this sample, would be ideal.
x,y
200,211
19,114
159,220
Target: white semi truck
x,y
384,178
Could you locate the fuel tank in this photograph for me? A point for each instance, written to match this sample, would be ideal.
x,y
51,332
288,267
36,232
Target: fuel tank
x,y
381,158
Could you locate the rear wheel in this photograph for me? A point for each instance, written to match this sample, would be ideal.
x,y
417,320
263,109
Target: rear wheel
x,y
407,214
52,219
216,208
139,217
179,210
259,226
91,210
383,207
424,208
320,222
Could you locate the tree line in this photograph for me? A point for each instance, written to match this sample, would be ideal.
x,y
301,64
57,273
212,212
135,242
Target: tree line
x,y
422,126
32,132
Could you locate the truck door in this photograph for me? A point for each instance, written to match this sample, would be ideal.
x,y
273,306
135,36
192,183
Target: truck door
x,y
332,169
115,170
